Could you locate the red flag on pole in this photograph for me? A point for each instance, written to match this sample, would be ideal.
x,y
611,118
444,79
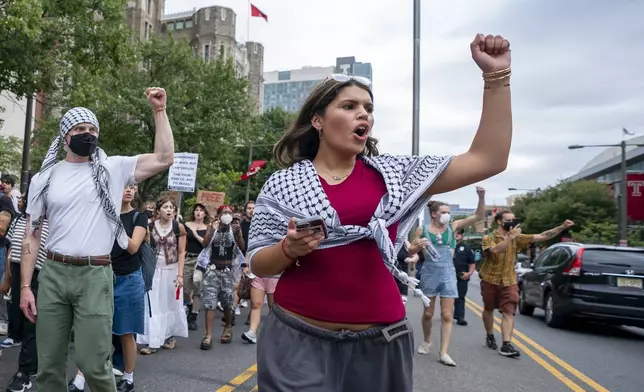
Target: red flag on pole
x,y
253,169
254,11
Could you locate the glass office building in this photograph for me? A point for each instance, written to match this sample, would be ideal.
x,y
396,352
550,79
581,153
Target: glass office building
x,y
289,89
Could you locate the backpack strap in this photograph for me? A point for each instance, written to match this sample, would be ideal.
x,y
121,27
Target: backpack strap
x,y
175,228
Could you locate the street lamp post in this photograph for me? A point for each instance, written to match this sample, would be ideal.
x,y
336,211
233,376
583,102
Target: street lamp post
x,y
415,131
623,186
250,161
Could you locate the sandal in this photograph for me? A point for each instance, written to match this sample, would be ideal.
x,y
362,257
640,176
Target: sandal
x,y
227,335
206,343
169,343
147,351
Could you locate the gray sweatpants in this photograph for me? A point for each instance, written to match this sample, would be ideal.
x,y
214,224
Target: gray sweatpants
x,y
294,356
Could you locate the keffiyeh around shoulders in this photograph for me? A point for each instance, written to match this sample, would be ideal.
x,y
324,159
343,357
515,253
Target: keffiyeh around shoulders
x,y
297,192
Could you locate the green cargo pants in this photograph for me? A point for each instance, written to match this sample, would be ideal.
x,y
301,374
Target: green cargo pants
x,y
81,297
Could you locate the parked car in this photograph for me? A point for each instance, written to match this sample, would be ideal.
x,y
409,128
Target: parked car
x,y
522,266
597,282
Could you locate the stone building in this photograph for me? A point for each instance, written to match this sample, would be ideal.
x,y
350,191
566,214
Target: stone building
x,y
209,30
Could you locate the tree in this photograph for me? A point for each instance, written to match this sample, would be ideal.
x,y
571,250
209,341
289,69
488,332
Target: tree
x,y
41,39
10,154
267,129
588,203
208,105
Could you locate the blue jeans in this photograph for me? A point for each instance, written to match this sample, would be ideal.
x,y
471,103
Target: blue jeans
x,y
129,312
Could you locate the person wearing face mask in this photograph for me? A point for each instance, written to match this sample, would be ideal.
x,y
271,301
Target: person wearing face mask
x,y
498,278
438,275
79,197
218,265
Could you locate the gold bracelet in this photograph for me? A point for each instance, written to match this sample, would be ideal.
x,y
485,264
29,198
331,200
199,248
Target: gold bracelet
x,y
24,286
498,75
162,108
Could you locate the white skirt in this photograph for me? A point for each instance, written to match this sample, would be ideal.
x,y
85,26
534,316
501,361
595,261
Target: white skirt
x,y
168,315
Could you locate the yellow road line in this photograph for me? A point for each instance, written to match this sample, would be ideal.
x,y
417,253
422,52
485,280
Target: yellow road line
x,y
239,379
254,389
587,380
552,370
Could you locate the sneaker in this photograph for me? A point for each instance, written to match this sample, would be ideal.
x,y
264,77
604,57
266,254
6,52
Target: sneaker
x,y
490,342
446,360
461,322
508,350
19,383
71,387
250,337
9,342
124,386
424,348
243,303
237,311
117,372
3,328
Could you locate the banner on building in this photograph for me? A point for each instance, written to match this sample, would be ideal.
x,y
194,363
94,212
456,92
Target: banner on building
x,y
635,192
253,169
212,200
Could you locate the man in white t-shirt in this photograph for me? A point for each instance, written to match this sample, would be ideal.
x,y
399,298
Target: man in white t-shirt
x,y
78,196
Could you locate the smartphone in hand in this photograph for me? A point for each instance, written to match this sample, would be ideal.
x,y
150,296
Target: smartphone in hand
x,y
316,224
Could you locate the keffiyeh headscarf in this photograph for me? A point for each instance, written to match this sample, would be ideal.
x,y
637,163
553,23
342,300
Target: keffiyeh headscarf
x,y
38,206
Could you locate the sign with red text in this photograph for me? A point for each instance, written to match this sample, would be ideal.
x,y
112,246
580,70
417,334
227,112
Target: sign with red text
x,y
212,200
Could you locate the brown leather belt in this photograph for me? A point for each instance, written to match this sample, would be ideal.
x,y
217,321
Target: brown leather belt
x,y
79,260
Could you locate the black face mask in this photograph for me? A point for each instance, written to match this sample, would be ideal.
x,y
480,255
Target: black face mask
x,y
83,144
509,225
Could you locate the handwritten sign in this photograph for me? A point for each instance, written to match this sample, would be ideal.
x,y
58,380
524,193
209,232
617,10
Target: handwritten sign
x,y
182,175
212,200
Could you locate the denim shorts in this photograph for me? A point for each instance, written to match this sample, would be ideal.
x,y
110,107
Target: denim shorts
x,y
129,304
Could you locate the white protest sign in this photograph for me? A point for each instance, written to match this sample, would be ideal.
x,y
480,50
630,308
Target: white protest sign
x,y
183,173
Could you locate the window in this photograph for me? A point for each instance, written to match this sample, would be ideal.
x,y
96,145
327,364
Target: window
x,y
222,50
223,14
206,52
149,8
179,25
146,31
170,26
284,75
207,13
189,23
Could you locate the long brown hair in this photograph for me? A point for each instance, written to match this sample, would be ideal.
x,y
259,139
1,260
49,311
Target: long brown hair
x,y
434,206
301,140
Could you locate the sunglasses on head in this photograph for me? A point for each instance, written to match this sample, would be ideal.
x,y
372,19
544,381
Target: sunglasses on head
x,y
342,78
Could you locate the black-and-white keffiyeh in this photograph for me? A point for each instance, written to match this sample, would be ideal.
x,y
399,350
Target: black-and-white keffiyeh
x,y
38,204
297,192
225,239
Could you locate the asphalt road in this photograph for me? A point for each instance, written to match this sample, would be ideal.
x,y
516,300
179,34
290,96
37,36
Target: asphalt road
x,y
582,358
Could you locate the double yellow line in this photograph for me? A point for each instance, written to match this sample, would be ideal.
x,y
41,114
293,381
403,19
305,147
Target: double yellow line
x,y
239,380
478,309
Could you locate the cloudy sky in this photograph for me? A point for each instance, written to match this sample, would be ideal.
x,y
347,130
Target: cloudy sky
x,y
578,72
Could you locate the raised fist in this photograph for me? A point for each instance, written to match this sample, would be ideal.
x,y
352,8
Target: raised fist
x,y
156,96
491,53
480,191
568,223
